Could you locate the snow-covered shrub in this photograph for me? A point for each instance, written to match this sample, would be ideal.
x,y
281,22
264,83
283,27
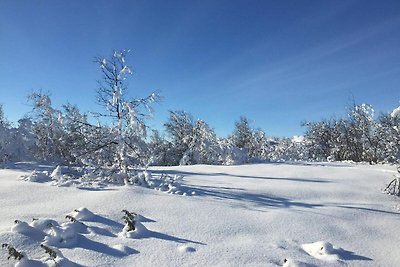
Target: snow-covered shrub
x,y
12,252
51,253
133,228
192,142
129,219
203,147
179,128
159,150
16,143
388,137
171,184
288,149
47,127
118,142
393,188
242,135
231,154
254,142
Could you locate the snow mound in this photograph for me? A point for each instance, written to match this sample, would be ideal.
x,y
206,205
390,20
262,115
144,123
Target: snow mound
x,y
37,177
186,249
56,174
53,236
83,214
25,229
294,263
322,250
171,184
139,232
43,224
61,236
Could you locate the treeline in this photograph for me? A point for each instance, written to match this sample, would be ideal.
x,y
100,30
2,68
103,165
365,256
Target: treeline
x,y
67,137
359,137
118,139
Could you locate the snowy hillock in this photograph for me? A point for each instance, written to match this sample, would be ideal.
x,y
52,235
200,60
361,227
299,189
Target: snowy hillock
x,y
171,184
275,214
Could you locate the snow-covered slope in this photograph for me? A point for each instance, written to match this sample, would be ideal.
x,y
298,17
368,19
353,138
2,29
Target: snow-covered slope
x,y
253,215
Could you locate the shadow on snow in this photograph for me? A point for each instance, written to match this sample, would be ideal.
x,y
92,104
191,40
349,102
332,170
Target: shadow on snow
x,y
252,198
304,180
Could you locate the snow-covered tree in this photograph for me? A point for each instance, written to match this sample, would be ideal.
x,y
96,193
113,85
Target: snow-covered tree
x,y
388,137
16,143
203,146
179,129
261,145
254,142
160,150
361,128
230,154
47,128
243,134
119,137
3,120
319,136
288,149
4,135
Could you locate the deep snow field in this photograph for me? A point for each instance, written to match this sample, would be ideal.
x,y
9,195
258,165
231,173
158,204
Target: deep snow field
x,y
320,214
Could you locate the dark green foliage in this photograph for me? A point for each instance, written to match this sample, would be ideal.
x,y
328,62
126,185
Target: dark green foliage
x,y
72,219
52,254
12,252
47,250
130,215
129,219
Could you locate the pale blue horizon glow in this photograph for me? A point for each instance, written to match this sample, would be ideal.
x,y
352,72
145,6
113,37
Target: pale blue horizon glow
x,y
277,62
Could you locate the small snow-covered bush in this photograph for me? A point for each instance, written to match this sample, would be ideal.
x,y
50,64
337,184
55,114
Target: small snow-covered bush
x,y
51,252
131,221
393,188
12,252
133,228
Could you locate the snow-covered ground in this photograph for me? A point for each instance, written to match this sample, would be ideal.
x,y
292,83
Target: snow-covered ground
x,y
322,214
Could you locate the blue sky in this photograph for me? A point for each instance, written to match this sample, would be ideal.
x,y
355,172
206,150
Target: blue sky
x,y
276,62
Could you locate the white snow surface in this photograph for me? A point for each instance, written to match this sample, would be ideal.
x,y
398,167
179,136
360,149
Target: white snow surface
x,y
300,214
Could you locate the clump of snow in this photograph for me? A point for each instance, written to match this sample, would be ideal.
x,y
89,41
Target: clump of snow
x,y
56,173
140,231
171,184
395,113
43,224
186,249
321,250
298,139
83,214
140,179
37,176
61,236
25,229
